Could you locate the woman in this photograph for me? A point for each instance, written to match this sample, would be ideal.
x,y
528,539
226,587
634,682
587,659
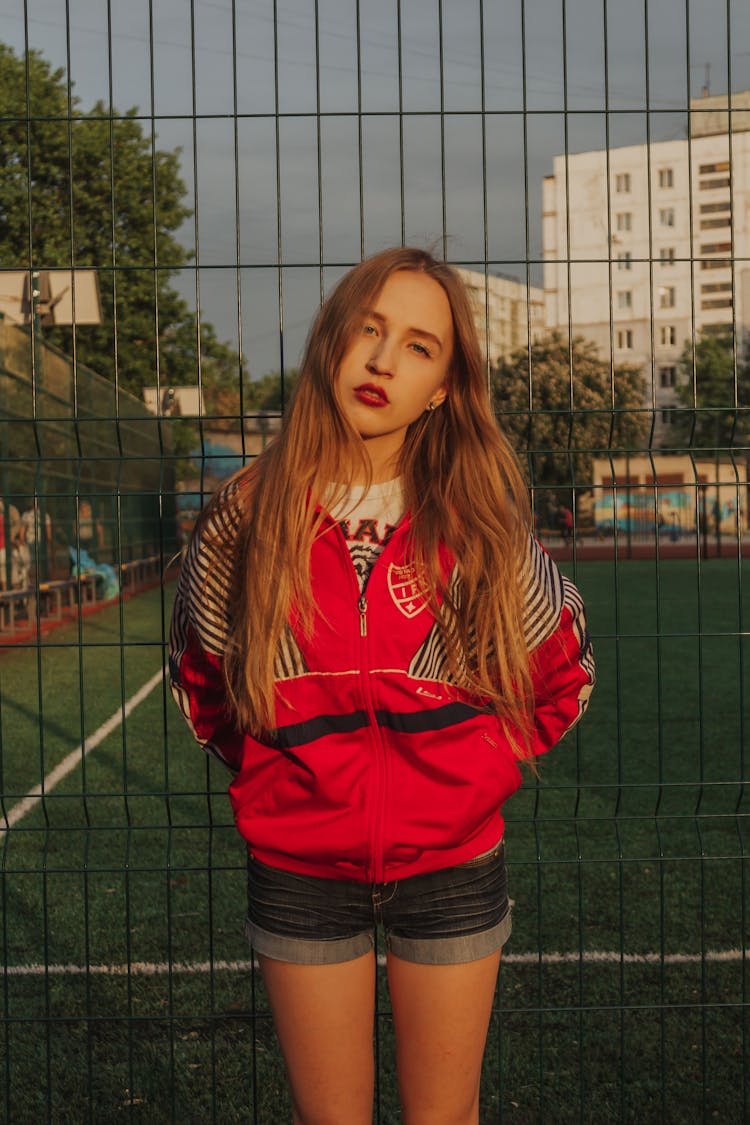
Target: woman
x,y
368,636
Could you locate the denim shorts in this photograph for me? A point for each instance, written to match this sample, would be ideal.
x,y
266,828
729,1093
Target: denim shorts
x,y
446,917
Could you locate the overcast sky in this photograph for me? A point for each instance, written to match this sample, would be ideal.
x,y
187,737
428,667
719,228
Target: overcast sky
x,y
391,165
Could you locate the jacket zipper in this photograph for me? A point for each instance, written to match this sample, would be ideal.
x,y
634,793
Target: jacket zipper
x,y
375,826
376,822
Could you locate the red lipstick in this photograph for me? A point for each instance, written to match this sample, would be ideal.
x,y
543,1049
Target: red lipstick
x,y
371,394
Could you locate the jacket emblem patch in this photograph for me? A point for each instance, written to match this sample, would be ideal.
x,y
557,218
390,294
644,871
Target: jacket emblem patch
x,y
407,592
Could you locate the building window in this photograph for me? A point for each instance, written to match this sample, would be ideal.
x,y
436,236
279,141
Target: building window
x,y
624,220
668,376
717,303
666,255
714,208
625,339
708,169
665,480
625,299
622,182
715,264
712,185
621,481
667,296
667,335
716,247
624,260
666,415
717,330
666,217
714,224
717,287
666,178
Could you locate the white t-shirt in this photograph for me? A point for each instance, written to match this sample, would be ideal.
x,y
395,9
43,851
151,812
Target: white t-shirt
x,y
368,520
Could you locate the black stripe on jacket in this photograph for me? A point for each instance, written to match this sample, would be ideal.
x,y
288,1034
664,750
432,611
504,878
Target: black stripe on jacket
x,y
409,722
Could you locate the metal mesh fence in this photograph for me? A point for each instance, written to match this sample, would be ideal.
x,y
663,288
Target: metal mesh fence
x,y
220,164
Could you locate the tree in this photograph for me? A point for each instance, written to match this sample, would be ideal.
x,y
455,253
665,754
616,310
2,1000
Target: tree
x,y
87,189
266,393
714,396
566,405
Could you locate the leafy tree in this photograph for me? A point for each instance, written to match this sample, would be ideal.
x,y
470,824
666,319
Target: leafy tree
x,y
88,189
713,397
562,404
266,393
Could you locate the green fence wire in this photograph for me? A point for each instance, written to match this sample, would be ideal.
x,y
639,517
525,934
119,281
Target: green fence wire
x,y
220,164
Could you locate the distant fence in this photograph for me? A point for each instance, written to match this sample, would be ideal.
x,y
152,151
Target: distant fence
x,y
78,459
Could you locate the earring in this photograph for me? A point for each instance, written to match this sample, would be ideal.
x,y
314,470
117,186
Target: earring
x,y
432,405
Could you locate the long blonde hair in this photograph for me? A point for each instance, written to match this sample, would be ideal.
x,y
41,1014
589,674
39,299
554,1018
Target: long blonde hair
x,y
463,487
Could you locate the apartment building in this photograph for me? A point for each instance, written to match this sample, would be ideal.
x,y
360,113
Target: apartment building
x,y
646,245
506,311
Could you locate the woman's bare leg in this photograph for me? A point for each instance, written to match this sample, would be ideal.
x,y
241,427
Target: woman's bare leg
x,y
324,1020
441,1014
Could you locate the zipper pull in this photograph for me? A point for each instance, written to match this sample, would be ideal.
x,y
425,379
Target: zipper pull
x,y
362,605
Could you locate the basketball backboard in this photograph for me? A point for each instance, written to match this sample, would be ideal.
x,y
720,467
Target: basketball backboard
x,y
55,296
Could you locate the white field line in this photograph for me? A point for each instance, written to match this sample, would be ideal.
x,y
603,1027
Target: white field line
x,y
75,757
158,968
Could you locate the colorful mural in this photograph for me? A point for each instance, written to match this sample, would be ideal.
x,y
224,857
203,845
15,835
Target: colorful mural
x,y
635,510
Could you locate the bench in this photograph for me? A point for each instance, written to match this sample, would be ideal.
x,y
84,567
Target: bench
x,y
52,594
15,604
55,597
11,603
139,571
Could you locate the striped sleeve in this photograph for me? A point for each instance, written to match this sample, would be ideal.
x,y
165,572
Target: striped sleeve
x,y
562,658
198,635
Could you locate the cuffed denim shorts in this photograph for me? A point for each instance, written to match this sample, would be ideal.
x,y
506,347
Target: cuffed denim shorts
x,y
446,917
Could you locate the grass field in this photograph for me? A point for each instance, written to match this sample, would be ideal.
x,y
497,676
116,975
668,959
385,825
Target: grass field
x,y
624,994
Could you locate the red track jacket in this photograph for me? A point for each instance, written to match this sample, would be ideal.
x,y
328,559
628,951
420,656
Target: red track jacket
x,y
379,767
